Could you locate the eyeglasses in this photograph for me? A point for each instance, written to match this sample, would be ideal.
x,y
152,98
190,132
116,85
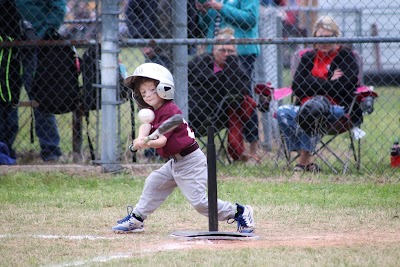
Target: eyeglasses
x,y
226,51
327,36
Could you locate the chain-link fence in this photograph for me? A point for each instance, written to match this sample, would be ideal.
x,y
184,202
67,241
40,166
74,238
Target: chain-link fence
x,y
238,65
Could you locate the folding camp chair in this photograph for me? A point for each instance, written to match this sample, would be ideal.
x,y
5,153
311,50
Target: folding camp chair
x,y
363,95
220,134
227,141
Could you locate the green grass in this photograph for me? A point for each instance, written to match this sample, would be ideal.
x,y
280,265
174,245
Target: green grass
x,y
42,188
310,222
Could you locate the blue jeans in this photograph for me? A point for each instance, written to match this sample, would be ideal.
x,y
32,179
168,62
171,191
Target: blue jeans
x,y
8,126
45,123
250,129
295,138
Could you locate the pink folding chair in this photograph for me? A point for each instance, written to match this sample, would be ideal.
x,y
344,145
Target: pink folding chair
x,y
363,95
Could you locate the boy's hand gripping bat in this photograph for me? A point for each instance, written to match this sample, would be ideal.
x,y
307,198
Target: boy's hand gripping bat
x,y
165,127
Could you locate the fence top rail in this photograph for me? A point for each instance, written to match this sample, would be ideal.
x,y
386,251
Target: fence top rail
x,y
183,41
265,41
39,43
337,10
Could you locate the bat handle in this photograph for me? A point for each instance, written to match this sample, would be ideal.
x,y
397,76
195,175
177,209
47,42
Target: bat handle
x,y
132,148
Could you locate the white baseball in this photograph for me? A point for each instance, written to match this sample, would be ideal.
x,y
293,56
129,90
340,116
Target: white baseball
x,y
146,115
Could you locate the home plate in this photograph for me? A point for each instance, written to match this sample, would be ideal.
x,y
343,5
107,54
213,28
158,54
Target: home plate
x,y
214,235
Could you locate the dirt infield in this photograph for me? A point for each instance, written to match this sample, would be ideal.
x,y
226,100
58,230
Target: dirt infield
x,y
322,239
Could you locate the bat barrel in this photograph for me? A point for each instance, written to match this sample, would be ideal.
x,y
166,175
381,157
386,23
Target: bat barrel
x,y
212,181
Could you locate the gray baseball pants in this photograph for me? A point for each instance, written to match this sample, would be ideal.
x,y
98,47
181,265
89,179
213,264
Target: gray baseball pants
x,y
190,175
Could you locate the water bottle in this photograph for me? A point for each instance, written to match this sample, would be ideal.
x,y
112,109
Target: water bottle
x,y
395,154
122,70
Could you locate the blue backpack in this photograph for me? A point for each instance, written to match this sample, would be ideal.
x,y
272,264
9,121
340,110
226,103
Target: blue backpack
x,y
5,158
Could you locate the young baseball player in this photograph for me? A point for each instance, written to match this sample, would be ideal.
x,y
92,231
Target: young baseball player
x,y
153,87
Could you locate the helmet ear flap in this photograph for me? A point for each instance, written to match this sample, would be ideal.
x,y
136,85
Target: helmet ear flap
x,y
165,91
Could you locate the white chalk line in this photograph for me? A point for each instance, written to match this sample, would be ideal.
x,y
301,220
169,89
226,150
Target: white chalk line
x,y
70,237
162,247
94,260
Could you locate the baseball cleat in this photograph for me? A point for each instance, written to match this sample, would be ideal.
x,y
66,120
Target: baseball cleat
x,y
244,219
130,224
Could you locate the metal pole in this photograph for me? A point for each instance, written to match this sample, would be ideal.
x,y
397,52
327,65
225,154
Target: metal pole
x,y
109,65
212,181
181,58
268,67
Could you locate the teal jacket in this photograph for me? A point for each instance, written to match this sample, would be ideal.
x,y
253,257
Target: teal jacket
x,y
43,14
240,15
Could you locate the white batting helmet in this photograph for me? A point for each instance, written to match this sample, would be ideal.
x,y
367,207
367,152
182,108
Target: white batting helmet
x,y
165,87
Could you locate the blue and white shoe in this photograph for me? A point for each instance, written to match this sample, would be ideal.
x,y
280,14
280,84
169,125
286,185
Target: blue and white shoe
x,y
244,219
130,224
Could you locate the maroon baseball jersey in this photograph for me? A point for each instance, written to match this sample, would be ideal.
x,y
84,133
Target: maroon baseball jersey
x,y
178,139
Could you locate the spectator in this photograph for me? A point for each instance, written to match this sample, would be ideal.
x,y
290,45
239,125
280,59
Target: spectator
x,y
193,27
329,70
67,30
143,21
307,18
211,78
83,12
243,17
291,27
46,17
10,78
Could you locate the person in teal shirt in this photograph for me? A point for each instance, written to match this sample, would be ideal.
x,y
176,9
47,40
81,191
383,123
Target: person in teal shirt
x,y
240,15
46,17
243,17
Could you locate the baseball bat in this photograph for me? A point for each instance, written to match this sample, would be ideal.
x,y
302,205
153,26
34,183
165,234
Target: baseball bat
x,y
165,127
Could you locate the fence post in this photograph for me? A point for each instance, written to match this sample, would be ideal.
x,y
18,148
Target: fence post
x,y
109,65
181,58
267,68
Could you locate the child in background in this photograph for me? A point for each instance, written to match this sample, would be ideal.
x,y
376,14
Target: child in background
x,y
153,87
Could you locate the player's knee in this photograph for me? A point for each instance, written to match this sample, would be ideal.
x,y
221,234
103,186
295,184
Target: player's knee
x,y
201,206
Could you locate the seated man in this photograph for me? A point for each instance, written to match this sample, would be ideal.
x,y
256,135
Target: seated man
x,y
330,70
217,79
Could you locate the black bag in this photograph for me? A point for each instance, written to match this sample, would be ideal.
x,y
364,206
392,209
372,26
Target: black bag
x,y
91,75
10,61
90,94
55,86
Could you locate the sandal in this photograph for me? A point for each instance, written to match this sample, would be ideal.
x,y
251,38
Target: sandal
x,y
256,158
244,158
299,168
312,167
